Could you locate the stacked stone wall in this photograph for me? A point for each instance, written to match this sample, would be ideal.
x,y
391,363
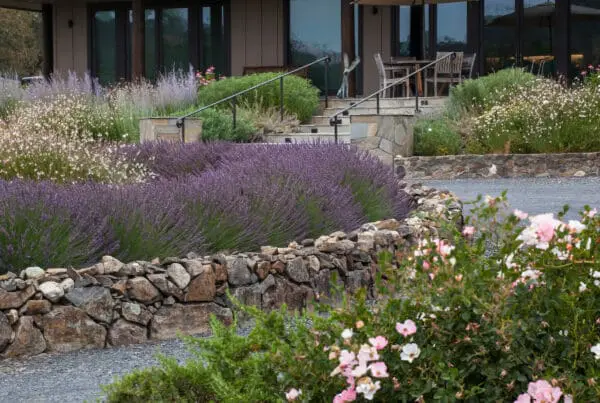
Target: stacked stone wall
x,y
113,303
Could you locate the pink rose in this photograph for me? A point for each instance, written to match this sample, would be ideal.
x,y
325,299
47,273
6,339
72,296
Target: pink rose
x,y
378,342
468,231
542,391
347,395
379,370
523,398
407,328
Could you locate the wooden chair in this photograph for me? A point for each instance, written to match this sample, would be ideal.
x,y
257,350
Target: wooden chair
x,y
446,72
468,65
403,71
386,75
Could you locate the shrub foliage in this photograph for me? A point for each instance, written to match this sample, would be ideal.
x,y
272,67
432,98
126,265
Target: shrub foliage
x,y
455,321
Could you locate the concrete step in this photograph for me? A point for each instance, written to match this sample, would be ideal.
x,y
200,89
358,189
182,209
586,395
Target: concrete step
x,y
324,129
388,102
360,110
324,120
307,137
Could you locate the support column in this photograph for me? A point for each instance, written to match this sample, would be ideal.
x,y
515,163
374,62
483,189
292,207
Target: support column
x,y
417,26
48,39
562,44
348,38
138,40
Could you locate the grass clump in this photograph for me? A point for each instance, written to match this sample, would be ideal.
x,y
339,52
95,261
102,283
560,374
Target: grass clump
x,y
436,137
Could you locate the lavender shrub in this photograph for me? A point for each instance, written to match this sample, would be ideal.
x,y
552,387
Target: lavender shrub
x,y
206,198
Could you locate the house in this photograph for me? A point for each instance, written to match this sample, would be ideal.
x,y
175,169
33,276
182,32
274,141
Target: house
x,y
117,40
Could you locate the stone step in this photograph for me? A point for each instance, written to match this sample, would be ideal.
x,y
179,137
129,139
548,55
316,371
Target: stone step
x,y
359,111
324,129
324,120
388,102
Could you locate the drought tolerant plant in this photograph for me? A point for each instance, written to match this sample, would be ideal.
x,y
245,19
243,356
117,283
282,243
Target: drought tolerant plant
x,y
205,198
43,156
478,95
300,97
436,137
454,321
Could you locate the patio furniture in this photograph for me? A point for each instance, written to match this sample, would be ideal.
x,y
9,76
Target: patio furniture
x,y
403,69
411,64
468,65
386,74
446,72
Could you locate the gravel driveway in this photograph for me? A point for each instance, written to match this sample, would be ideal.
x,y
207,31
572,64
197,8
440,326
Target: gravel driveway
x,y
77,376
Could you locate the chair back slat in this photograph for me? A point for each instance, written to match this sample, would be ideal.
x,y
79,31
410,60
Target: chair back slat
x,y
469,64
380,67
449,66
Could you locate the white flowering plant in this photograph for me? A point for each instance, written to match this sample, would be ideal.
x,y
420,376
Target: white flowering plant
x,y
505,308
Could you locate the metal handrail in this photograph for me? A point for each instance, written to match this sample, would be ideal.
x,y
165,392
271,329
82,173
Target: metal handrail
x,y
335,121
233,98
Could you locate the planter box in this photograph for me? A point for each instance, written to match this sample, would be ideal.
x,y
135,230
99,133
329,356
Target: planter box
x,y
165,129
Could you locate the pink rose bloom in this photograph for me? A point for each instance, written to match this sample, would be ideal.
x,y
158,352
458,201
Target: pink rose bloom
x,y
292,395
544,225
520,214
346,358
407,328
592,213
542,391
379,370
523,398
347,395
469,230
426,265
378,342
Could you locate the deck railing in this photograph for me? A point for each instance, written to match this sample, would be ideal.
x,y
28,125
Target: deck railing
x,y
335,119
233,98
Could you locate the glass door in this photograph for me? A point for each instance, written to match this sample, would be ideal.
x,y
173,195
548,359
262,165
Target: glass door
x,y
500,34
315,32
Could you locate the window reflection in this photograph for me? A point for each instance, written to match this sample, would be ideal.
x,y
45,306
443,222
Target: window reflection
x,y
538,34
316,31
175,38
499,34
150,44
452,27
585,34
105,46
403,44
213,38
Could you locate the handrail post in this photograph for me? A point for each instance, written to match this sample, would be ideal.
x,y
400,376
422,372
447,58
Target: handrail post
x,y
327,84
377,103
234,110
335,129
281,98
417,101
183,130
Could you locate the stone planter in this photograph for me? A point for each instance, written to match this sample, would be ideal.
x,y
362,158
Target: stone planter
x,y
165,129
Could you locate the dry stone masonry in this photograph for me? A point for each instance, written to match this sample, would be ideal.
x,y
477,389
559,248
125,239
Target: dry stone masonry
x,y
499,166
114,303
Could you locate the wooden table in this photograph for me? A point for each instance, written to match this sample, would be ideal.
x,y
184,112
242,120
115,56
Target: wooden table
x,y
415,65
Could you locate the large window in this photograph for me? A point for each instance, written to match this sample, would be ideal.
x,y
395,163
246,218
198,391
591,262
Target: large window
x,y
403,41
499,34
316,31
175,38
585,34
105,51
452,27
539,33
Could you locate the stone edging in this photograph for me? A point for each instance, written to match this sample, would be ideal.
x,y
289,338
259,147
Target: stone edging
x,y
115,304
495,166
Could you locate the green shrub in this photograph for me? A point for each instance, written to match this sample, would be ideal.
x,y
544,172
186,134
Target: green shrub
x,y
455,321
436,137
300,97
478,95
218,125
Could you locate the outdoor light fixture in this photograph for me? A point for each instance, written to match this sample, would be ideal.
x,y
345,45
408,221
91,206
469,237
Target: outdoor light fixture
x,y
374,10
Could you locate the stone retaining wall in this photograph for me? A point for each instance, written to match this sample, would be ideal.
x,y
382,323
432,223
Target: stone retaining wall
x,y
116,304
499,166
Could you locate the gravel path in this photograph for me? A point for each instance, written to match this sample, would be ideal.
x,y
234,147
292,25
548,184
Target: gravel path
x,y
77,376
534,196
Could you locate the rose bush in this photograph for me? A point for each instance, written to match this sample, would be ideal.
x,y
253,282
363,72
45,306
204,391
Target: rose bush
x,y
505,309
